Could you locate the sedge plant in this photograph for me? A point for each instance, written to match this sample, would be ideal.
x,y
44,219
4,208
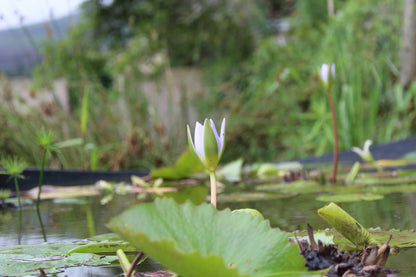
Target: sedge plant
x,y
45,140
14,167
327,74
208,146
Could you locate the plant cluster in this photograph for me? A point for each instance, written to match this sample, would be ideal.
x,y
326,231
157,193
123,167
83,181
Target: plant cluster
x,y
258,65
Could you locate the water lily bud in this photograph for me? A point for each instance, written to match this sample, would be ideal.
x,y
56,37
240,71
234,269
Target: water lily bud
x,y
327,74
207,144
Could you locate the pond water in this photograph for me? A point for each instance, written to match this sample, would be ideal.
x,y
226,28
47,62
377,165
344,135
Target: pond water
x,y
76,219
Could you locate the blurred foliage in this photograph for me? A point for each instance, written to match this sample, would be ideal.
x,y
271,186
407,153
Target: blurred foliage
x,y
190,31
258,61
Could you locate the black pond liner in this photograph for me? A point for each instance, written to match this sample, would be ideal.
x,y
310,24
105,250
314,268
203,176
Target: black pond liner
x,y
68,177
388,151
392,150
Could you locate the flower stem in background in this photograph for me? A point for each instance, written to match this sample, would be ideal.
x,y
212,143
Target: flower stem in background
x,y
335,127
327,75
213,181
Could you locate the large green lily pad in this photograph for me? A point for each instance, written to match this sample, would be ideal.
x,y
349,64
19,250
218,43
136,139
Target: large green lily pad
x,y
201,241
23,260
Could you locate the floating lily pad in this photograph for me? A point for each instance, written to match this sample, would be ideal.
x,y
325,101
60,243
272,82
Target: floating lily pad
x,y
191,240
350,197
385,181
294,187
25,260
252,196
195,194
393,189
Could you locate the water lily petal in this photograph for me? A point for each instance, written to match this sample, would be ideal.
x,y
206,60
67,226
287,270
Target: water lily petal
x,y
217,137
358,151
222,137
199,140
324,72
367,145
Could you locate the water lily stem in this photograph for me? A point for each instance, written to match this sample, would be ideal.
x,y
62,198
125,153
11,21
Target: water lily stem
x,y
213,182
334,126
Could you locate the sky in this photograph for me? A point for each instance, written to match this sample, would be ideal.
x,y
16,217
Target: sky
x,y
34,11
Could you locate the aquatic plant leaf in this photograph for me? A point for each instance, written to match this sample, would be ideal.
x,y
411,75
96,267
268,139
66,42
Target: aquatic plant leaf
x,y
352,174
23,260
393,189
231,171
187,164
252,196
201,241
385,181
350,197
400,238
267,170
195,194
103,248
294,187
346,225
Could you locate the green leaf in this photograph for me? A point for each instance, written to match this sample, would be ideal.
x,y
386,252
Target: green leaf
x,y
400,238
103,248
346,225
23,260
349,197
231,171
187,164
352,175
195,194
191,240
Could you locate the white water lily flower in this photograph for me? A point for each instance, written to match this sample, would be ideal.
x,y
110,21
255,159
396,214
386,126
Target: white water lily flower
x,y
327,74
207,144
365,153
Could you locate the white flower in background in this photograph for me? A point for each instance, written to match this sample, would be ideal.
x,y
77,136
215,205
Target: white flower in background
x,y
327,74
365,153
207,144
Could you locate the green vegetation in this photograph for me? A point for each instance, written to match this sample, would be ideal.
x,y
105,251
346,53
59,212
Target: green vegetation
x,y
259,75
